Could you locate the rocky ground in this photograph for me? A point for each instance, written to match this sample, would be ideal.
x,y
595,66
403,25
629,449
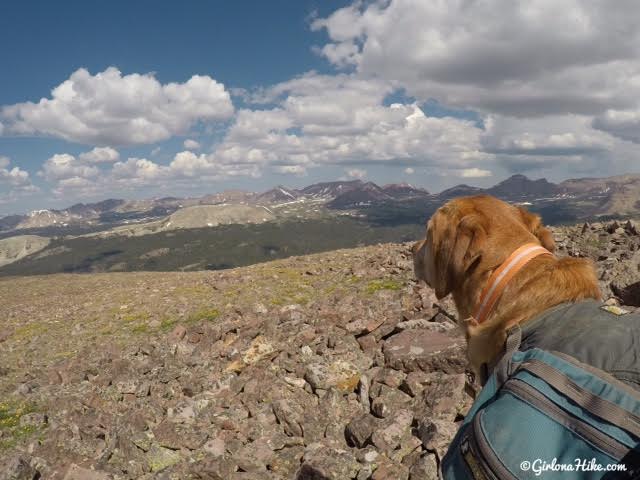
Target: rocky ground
x,y
331,366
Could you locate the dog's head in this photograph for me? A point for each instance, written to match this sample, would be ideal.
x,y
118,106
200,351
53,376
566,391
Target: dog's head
x,y
472,232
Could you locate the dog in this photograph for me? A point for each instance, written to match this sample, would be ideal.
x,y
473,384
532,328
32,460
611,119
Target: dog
x,y
470,239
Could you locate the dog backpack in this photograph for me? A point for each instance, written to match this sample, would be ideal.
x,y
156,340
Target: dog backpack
x,y
545,415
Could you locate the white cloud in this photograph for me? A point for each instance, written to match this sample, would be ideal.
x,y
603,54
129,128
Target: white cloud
x,y
14,182
138,170
475,173
63,166
190,144
114,109
534,58
553,86
100,155
16,177
188,164
551,136
74,177
356,173
342,120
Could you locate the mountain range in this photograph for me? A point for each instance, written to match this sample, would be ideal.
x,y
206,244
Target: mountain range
x,y
235,228
604,196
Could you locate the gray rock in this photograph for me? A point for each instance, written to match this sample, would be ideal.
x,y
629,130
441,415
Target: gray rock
x,y
436,435
215,447
425,468
35,420
74,472
254,456
444,397
415,382
359,430
427,352
390,470
363,392
18,468
389,437
286,461
175,437
326,463
211,468
388,401
627,290
290,416
339,373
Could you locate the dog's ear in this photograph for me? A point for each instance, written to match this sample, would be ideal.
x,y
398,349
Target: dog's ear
x,y
457,247
533,223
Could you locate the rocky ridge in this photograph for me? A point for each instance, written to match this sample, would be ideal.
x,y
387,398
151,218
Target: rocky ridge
x,y
331,366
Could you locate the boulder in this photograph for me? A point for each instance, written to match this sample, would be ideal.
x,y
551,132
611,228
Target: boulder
x,y
425,351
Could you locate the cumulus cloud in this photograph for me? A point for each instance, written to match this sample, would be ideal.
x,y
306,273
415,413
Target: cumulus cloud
x,y
110,108
555,135
535,58
190,144
550,84
63,166
138,170
81,173
15,177
14,182
100,155
343,120
76,177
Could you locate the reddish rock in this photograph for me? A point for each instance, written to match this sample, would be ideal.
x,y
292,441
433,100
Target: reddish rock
x,y
444,397
429,351
177,334
75,472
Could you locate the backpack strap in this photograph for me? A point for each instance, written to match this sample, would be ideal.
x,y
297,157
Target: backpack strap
x,y
503,367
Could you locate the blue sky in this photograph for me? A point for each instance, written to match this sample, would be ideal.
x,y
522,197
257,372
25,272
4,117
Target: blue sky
x,y
185,98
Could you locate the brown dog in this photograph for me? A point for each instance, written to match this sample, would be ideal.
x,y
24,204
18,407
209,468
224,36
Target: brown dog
x,y
467,239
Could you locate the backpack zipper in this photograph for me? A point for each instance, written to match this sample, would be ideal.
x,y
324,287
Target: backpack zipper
x,y
600,440
490,462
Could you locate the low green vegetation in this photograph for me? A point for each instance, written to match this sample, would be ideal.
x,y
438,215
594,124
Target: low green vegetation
x,y
11,429
209,315
167,324
385,284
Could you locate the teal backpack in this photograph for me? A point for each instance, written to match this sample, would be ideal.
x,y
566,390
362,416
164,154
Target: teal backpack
x,y
545,415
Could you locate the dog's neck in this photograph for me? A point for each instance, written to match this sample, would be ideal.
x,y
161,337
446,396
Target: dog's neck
x,y
501,277
569,279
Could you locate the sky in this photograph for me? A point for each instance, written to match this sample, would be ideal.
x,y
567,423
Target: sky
x,y
142,99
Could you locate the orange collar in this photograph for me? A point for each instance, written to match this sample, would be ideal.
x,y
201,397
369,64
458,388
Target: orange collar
x,y
501,277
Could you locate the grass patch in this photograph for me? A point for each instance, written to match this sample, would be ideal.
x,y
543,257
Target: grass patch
x,y
136,317
29,330
141,328
12,431
167,324
376,285
209,315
